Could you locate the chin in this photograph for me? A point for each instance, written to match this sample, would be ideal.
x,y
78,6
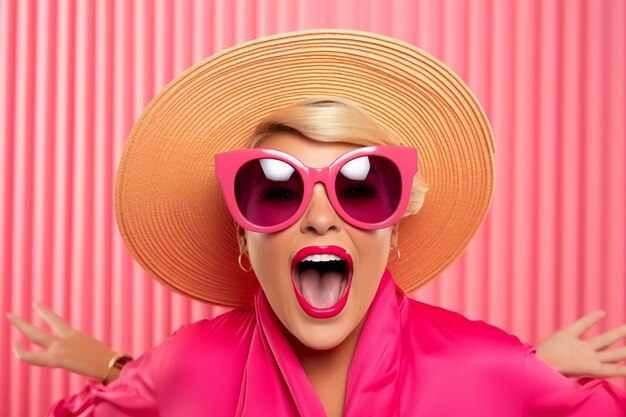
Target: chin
x,y
322,335
321,341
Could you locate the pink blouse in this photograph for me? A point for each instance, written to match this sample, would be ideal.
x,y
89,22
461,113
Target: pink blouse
x,y
412,359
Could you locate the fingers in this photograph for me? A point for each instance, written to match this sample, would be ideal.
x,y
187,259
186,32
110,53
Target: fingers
x,y
34,334
60,326
607,339
607,370
581,325
34,358
612,356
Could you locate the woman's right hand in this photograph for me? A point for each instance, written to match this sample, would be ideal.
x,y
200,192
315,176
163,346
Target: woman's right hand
x,y
69,348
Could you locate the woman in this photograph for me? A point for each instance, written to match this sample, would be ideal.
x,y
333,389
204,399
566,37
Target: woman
x,y
67,348
318,200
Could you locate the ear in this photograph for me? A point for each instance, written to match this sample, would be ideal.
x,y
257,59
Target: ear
x,y
394,236
241,239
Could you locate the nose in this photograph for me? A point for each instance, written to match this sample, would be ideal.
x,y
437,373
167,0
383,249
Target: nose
x,y
320,217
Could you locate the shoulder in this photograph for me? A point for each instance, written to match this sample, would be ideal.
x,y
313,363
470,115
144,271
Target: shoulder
x,y
207,345
222,333
441,329
233,322
206,359
473,361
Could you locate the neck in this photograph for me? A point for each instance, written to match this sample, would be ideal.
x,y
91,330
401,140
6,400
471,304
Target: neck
x,y
327,370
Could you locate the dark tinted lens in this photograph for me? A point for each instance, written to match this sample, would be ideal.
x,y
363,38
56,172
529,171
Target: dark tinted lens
x,y
268,191
368,188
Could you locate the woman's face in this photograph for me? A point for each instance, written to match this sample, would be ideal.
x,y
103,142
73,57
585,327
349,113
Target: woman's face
x,y
283,261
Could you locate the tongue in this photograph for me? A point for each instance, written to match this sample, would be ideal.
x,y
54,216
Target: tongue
x,y
321,291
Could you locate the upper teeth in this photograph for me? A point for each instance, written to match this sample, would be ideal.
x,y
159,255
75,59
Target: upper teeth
x,y
322,258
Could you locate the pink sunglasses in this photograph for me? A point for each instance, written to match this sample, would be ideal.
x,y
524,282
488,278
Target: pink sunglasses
x,y
267,191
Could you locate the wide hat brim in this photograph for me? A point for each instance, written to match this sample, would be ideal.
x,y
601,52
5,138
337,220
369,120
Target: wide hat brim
x,y
169,206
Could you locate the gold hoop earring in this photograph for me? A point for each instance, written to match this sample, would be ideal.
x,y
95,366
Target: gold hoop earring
x,y
240,261
397,259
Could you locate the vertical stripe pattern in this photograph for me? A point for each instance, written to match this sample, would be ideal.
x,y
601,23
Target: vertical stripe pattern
x,y
74,75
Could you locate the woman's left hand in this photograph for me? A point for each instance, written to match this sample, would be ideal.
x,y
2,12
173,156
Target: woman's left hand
x,y
568,353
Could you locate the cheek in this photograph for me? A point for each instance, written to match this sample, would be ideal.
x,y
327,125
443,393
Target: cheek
x,y
270,260
374,248
262,246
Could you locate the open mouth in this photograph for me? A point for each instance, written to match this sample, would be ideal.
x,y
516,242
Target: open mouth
x,y
321,277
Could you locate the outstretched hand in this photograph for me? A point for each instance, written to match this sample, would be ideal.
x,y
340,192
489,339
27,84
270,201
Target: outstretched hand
x,y
573,356
68,348
565,350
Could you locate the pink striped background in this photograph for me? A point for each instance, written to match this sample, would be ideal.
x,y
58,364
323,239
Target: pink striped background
x,y
75,74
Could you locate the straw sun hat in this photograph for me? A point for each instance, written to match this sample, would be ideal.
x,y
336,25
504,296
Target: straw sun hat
x,y
169,206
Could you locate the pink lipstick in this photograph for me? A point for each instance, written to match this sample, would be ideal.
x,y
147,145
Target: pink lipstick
x,y
322,277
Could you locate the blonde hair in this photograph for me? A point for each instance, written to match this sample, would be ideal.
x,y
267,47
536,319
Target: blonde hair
x,y
334,119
